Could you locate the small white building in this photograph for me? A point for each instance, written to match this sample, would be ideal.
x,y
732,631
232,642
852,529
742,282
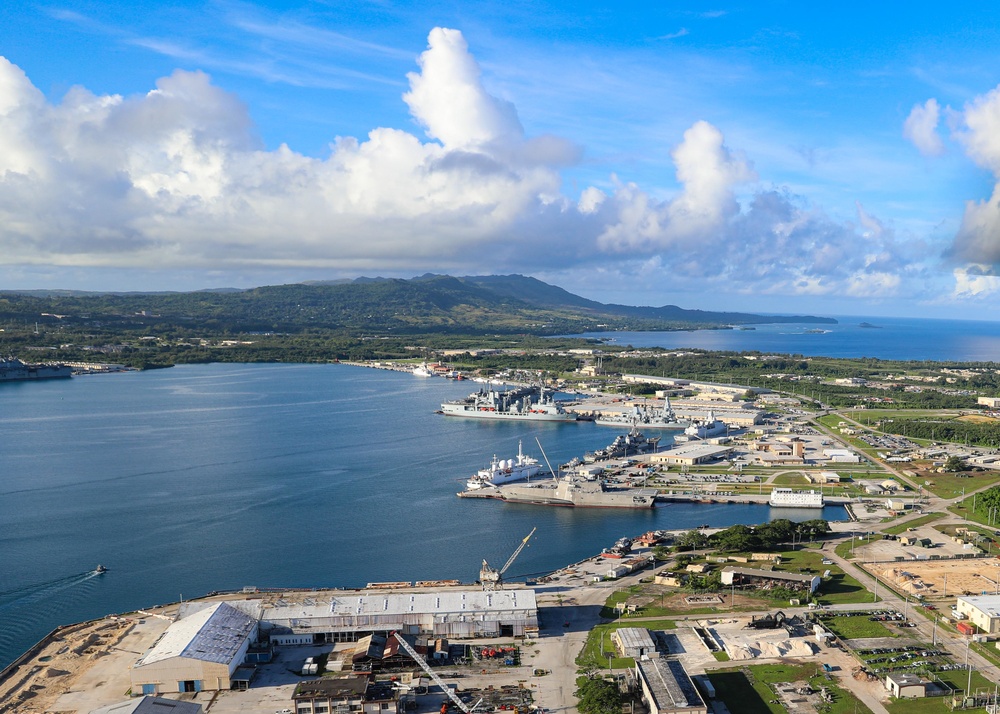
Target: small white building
x,y
905,686
842,456
633,642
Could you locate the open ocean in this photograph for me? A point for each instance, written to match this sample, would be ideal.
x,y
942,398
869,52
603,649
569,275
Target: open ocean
x,y
892,338
199,478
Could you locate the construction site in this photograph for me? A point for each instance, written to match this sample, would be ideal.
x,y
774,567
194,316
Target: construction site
x,y
939,578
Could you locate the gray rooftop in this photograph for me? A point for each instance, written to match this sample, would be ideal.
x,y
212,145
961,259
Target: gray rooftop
x,y
214,634
669,684
770,574
904,679
150,705
989,604
635,637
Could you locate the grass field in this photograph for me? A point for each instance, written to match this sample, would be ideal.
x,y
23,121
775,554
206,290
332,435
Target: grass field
x,y
837,589
747,690
599,641
953,485
922,521
855,627
939,705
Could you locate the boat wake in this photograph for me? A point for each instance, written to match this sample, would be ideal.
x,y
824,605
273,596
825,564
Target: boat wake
x,y
21,609
19,597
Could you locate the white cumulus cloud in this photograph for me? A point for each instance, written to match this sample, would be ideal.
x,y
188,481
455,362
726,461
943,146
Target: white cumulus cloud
x,y
177,178
978,238
920,127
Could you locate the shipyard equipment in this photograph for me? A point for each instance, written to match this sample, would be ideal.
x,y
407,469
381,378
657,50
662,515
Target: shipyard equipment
x,y
490,577
767,622
433,675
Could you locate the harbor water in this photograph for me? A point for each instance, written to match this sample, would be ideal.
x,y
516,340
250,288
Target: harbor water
x,y
212,477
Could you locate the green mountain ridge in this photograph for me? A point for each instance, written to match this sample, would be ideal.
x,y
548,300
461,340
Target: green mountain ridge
x,y
494,304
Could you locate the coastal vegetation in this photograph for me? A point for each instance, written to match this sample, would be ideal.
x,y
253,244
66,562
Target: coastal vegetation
x,y
598,696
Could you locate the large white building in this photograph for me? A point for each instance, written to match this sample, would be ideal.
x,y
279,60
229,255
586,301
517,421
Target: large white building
x,y
200,651
451,613
983,611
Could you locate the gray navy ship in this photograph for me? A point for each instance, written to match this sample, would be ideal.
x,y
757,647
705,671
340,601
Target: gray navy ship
x,y
511,404
14,370
644,417
577,492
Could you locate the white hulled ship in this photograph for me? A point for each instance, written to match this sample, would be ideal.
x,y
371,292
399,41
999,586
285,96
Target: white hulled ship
x,y
501,471
790,498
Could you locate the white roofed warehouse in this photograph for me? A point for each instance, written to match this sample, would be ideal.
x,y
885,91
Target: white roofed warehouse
x,y
453,614
201,651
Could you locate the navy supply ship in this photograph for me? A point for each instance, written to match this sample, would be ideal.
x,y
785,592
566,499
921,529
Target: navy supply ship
x,y
645,418
511,404
624,445
501,471
577,492
14,370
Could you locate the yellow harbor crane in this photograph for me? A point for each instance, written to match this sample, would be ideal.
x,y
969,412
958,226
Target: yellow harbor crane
x,y
490,577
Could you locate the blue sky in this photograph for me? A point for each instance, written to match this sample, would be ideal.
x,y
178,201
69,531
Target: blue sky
x,y
757,156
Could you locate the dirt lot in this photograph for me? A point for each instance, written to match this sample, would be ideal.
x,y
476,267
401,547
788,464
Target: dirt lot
x,y
930,578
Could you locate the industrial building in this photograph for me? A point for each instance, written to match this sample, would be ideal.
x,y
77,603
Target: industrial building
x,y
842,456
769,578
667,688
208,648
691,453
633,642
452,614
983,611
198,652
355,694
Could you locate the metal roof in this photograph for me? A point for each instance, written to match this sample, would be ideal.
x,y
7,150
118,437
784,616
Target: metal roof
x,y
213,635
449,601
150,705
632,638
771,574
669,684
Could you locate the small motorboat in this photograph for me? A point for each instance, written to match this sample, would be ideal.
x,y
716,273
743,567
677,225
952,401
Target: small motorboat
x,y
100,569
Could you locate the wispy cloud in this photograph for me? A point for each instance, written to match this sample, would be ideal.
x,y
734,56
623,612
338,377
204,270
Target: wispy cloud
x,y
674,35
243,40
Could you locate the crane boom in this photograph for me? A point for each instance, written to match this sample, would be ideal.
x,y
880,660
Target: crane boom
x,y
490,577
431,673
513,557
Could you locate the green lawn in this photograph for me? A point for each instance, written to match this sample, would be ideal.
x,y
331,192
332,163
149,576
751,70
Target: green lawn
x,y
939,705
839,588
753,695
599,641
735,690
854,627
922,521
952,485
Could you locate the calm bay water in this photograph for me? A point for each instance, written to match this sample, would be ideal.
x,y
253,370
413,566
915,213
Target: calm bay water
x,y
212,477
892,338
